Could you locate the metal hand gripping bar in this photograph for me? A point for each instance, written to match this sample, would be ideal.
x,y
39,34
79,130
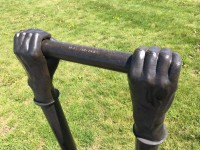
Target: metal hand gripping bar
x,y
107,59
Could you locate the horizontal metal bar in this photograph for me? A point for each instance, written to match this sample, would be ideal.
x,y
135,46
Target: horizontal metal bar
x,y
107,59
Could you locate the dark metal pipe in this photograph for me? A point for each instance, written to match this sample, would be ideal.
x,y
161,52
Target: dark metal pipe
x,y
59,125
107,59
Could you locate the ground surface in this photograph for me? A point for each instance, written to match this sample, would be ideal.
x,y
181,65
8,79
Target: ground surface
x,y
96,101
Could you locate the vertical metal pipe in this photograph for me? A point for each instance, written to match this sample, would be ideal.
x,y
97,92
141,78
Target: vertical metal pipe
x,y
59,125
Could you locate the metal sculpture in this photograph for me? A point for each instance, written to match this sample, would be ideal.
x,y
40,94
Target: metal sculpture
x,y
152,74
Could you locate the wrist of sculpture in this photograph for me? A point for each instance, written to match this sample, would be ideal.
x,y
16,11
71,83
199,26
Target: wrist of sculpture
x,y
151,136
44,103
142,146
55,94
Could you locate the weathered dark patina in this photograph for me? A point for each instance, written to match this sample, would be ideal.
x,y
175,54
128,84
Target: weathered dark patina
x,y
107,59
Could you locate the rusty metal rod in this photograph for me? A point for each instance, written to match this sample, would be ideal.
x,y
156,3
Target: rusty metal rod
x,y
98,57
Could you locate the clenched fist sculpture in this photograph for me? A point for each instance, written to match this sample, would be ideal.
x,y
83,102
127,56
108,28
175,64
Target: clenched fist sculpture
x,y
40,69
153,78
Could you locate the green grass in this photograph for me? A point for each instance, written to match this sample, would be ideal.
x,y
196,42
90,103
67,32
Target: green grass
x,y
96,101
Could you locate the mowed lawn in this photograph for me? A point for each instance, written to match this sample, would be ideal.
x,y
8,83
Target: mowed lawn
x,y
97,102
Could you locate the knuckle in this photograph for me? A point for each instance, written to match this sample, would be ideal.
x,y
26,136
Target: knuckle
x,y
34,54
136,51
139,49
149,79
139,54
23,33
30,34
177,65
177,60
176,54
166,49
152,54
36,35
165,56
17,35
163,83
155,48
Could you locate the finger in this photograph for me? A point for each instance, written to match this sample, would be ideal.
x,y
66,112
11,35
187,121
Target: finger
x,y
35,44
21,38
26,41
16,38
163,64
150,63
137,62
175,67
